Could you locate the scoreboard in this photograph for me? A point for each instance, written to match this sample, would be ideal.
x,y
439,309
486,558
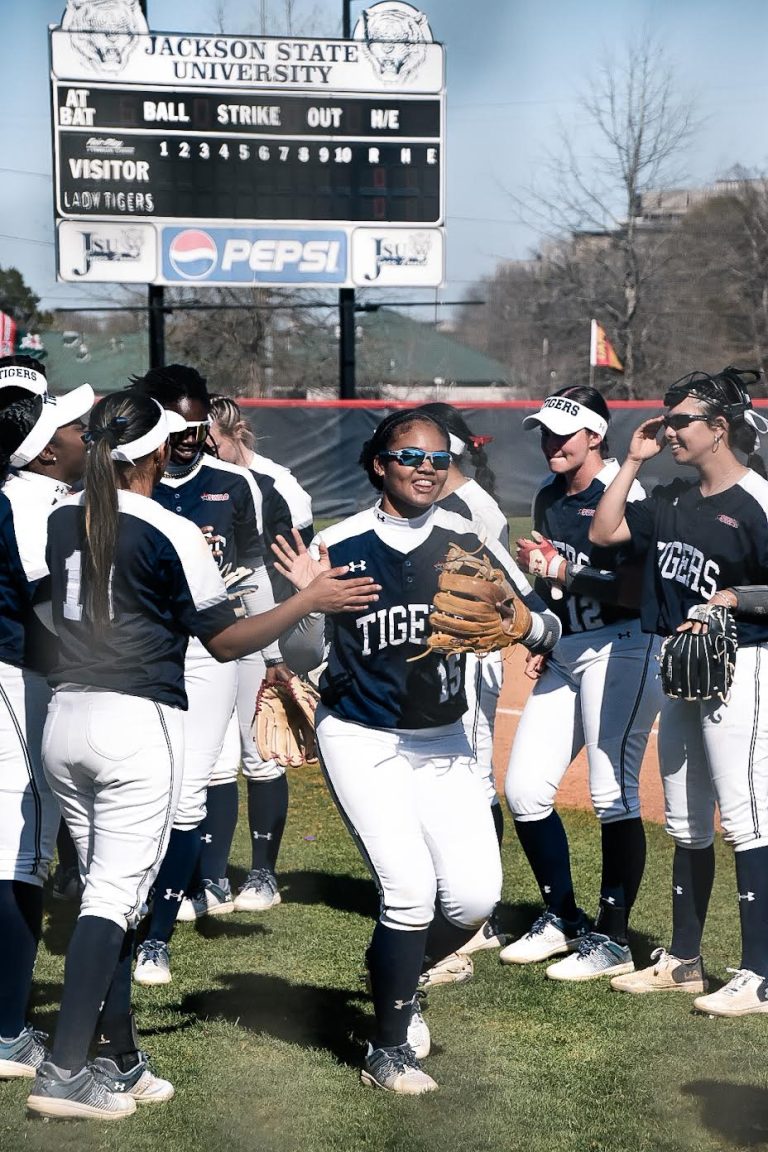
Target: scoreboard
x,y
192,163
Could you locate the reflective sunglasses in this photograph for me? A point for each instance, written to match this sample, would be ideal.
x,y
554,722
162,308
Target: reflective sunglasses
x,y
682,420
415,457
201,428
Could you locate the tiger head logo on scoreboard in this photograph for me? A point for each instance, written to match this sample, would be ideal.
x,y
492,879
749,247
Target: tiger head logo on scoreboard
x,y
104,31
394,35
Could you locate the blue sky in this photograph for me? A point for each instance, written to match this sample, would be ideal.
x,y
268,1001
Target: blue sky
x,y
515,68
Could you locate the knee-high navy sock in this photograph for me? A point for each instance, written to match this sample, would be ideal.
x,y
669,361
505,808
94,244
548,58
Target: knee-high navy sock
x,y
267,813
88,972
546,847
623,844
65,848
394,963
21,921
117,1037
693,873
498,821
217,831
443,938
173,881
752,882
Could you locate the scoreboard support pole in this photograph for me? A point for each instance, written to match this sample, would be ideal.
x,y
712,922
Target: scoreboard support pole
x,y
155,295
346,295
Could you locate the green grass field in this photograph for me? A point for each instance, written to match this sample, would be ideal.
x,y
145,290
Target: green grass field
x,y
262,1028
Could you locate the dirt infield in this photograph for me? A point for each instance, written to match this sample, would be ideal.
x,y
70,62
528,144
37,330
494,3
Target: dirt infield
x,y
574,791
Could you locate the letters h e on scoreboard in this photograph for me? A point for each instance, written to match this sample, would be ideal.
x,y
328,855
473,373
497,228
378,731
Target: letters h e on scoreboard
x,y
208,159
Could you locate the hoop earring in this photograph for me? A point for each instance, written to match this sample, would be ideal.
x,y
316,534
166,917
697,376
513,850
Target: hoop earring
x,y
716,443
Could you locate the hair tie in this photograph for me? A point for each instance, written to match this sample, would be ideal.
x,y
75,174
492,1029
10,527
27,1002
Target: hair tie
x,y
480,441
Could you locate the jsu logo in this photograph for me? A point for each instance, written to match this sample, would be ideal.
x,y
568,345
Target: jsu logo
x,y
390,627
688,566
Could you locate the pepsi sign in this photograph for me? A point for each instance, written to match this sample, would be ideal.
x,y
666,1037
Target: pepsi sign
x,y
254,256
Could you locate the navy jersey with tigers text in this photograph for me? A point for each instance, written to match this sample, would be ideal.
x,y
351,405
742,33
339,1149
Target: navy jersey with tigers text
x,y
371,677
15,591
694,545
565,519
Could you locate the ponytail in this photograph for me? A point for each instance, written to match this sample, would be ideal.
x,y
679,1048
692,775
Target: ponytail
x,y
117,419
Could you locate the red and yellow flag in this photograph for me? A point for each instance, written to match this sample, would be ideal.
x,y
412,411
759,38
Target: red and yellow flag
x,y
601,353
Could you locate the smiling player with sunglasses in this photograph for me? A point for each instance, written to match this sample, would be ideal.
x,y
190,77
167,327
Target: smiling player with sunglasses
x,y
705,543
390,734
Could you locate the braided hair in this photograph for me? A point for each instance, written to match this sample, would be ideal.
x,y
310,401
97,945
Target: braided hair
x,y
172,383
385,433
17,420
452,419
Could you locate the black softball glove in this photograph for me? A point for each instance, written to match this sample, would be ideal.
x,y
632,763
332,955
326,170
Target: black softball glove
x,y
701,666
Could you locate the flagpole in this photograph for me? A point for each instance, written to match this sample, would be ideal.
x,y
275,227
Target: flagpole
x,y
591,354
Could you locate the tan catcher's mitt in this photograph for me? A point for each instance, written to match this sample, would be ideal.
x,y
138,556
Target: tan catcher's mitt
x,y
283,725
465,616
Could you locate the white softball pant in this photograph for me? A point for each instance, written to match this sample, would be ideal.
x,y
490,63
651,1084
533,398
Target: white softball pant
x,y
114,763
420,816
239,746
211,690
714,753
482,684
600,691
29,813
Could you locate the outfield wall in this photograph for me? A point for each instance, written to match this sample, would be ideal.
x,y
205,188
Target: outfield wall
x,y
320,442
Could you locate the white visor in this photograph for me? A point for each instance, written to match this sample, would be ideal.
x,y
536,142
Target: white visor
x,y
167,422
15,377
564,416
57,411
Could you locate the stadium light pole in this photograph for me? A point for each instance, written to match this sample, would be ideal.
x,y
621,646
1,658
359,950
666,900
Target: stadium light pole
x,y
346,295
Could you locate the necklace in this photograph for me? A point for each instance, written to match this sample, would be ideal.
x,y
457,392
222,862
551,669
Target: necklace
x,y
180,473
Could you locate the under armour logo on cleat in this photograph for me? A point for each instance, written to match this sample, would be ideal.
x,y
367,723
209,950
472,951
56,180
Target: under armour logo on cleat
x,y
171,895
357,566
262,835
750,896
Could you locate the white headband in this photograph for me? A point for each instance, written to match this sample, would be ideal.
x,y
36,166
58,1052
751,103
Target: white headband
x,y
133,450
457,446
564,416
16,377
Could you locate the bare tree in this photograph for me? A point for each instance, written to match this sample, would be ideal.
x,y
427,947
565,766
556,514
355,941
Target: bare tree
x,y
592,203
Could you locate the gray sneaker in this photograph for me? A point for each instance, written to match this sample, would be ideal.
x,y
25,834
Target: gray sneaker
x,y
395,1070
259,893
140,1083
596,955
212,900
76,1097
22,1055
153,963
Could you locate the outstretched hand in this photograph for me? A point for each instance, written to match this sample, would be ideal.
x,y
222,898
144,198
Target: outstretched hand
x,y
295,563
331,592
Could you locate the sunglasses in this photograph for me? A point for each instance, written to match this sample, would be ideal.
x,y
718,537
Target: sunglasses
x,y
682,420
415,457
201,428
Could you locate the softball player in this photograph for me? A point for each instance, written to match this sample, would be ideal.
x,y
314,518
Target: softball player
x,y
705,541
225,502
598,690
285,506
40,439
392,745
130,582
474,499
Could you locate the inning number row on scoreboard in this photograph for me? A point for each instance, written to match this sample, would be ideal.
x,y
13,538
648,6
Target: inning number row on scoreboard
x,y
267,156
